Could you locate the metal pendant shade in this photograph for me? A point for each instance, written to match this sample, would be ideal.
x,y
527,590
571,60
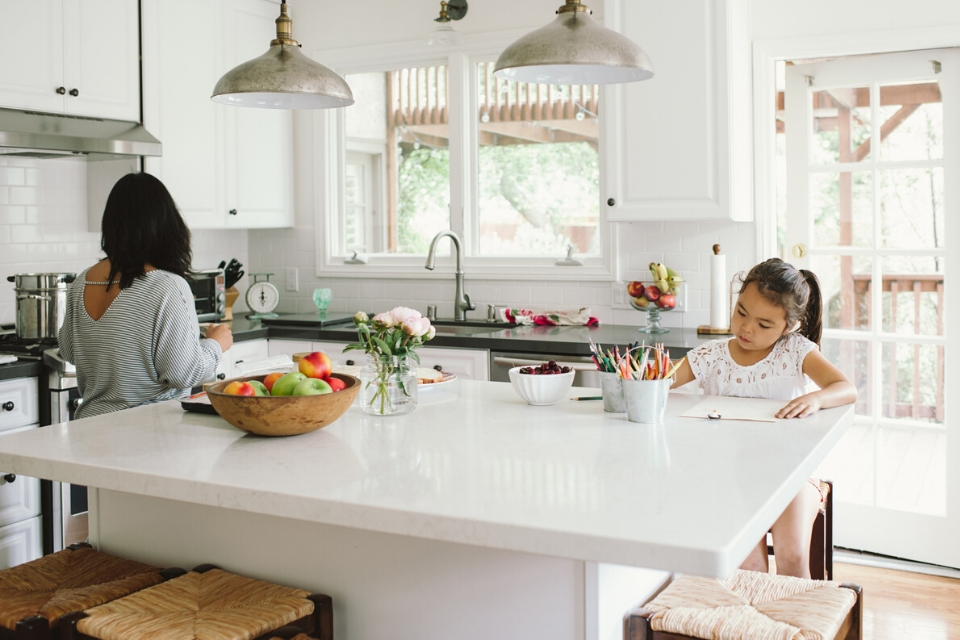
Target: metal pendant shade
x,y
574,49
283,78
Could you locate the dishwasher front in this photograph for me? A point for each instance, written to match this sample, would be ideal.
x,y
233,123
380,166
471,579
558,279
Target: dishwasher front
x,y
501,362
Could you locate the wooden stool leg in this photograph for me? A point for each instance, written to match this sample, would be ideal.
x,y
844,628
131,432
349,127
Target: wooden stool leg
x,y
636,625
818,548
68,626
855,632
323,615
828,528
33,628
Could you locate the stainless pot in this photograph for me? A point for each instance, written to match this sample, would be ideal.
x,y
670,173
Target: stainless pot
x,y
41,303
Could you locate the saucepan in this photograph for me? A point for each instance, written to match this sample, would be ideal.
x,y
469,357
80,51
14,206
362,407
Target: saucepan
x,y
41,303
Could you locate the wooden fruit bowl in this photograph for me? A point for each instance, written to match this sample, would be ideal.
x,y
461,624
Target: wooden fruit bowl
x,y
282,415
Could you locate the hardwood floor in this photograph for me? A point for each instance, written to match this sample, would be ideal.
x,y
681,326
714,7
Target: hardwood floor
x,y
901,605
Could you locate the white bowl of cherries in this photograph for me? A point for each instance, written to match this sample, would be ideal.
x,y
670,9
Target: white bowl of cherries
x,y
542,385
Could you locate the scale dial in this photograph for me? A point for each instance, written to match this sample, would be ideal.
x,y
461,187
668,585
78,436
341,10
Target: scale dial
x,y
262,298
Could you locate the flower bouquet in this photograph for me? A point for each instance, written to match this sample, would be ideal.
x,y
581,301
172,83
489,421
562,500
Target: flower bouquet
x,y
388,380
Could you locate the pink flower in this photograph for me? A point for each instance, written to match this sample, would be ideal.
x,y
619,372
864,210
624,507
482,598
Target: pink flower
x,y
402,314
416,327
385,320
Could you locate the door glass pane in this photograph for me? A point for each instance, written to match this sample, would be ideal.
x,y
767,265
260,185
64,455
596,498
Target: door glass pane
x,y
841,125
912,299
842,208
912,122
850,464
911,208
912,470
913,382
402,117
845,284
539,167
855,359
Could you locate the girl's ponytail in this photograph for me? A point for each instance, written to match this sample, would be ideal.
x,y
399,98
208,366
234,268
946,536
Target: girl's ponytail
x,y
811,326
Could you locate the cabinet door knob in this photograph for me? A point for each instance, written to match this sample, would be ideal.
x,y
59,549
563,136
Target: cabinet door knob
x,y
349,363
9,477
611,202
74,92
8,405
221,376
233,212
61,90
438,367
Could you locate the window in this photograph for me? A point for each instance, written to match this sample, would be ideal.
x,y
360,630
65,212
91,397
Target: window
x,y
434,144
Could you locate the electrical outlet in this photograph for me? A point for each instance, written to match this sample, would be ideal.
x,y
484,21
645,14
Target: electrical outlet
x,y
619,295
292,283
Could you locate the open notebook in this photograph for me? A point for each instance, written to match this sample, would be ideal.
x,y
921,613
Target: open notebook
x,y
731,408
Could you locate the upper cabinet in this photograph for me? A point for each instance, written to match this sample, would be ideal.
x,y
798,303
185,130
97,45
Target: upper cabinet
x,y
678,146
84,63
226,167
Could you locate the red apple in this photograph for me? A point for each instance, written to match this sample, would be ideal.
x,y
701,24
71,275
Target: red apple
x,y
315,365
635,289
238,388
667,301
335,383
641,301
652,293
270,379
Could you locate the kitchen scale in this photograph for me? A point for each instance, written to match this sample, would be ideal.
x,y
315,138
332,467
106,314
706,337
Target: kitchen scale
x,y
262,297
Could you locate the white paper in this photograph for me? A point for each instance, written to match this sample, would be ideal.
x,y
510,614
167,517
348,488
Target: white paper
x,y
732,408
719,312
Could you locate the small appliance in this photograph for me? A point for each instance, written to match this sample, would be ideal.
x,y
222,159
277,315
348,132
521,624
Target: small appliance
x,y
209,294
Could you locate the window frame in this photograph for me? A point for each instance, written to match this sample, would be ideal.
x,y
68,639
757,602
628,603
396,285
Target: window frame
x,y
329,147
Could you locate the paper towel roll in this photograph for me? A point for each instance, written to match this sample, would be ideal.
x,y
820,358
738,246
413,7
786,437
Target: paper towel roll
x,y
719,311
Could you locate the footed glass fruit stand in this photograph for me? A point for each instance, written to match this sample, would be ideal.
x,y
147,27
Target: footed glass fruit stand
x,y
654,302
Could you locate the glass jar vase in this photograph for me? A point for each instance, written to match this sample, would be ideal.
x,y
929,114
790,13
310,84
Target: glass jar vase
x,y
388,385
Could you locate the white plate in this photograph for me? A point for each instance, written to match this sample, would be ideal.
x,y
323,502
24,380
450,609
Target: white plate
x,y
444,382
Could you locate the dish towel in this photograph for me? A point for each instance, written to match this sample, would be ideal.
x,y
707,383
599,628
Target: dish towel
x,y
577,317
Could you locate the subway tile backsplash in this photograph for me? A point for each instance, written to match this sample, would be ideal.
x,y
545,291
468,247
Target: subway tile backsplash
x,y
43,226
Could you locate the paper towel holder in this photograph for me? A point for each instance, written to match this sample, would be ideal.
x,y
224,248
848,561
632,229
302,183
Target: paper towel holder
x,y
706,329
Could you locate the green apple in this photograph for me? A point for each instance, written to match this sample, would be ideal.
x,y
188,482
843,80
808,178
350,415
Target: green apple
x,y
287,383
312,387
259,388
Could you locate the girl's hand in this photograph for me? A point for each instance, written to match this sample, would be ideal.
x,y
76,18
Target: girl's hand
x,y
801,407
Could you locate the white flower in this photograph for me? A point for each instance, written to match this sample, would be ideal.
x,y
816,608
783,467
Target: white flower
x,y
402,314
416,327
385,320
360,317
430,333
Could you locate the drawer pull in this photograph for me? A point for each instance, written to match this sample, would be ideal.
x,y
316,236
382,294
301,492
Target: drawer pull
x,y
349,363
438,367
221,376
8,405
9,477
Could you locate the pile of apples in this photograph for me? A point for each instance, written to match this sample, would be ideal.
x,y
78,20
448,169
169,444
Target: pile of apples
x,y
663,293
313,378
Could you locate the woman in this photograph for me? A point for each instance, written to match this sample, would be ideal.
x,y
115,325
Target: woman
x,y
131,323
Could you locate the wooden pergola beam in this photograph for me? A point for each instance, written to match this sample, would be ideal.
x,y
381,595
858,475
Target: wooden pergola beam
x,y
920,93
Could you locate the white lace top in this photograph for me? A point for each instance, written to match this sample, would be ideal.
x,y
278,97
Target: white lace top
x,y
779,376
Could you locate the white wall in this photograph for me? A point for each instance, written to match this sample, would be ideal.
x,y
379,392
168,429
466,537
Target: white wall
x,y
43,225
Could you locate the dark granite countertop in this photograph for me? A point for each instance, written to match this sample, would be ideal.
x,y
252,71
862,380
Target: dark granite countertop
x,y
20,369
518,339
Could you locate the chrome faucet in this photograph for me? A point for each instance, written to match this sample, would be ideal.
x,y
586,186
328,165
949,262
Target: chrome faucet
x,y
461,303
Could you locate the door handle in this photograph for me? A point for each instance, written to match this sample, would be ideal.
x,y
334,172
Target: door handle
x,y
61,90
798,250
74,92
8,405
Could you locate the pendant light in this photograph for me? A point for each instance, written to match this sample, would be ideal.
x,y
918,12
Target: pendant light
x,y
283,78
444,35
574,49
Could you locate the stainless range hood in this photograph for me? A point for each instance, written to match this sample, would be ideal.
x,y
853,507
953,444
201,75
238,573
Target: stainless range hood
x,y
33,134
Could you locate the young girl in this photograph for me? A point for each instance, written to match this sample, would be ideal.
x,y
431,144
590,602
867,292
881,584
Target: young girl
x,y
776,325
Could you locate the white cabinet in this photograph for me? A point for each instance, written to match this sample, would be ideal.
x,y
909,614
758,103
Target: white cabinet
x,y
19,495
72,56
279,347
18,403
20,543
227,167
678,146
471,364
240,352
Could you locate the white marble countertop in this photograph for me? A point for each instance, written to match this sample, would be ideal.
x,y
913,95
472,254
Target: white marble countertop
x,y
472,464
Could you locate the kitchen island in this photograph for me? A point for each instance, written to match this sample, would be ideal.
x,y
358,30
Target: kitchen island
x,y
475,516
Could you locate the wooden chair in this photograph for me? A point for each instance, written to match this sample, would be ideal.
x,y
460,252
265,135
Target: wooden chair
x,y
755,605
821,541
233,606
35,595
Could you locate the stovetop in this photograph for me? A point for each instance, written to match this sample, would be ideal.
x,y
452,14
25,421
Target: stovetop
x,y
11,343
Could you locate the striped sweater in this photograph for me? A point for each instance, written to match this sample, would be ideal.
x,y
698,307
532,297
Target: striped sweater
x,y
145,348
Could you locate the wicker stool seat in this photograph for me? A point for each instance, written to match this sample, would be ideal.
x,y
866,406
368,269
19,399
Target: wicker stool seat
x,y
206,604
35,595
749,605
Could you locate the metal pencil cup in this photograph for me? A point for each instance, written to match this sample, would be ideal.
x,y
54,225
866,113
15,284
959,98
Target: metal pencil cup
x,y
612,392
646,400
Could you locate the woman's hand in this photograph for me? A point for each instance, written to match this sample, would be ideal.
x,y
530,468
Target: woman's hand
x,y
801,407
222,334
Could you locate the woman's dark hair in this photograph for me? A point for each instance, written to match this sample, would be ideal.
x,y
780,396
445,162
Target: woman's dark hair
x,y
797,291
141,225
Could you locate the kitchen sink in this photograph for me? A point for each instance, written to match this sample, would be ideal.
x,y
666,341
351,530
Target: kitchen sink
x,y
448,322
459,329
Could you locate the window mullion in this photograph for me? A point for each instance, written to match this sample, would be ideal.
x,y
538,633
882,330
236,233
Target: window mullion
x,y
461,160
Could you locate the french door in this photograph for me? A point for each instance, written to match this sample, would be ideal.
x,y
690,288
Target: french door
x,y
873,208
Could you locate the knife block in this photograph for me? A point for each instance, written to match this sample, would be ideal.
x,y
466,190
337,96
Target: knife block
x,y
232,295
